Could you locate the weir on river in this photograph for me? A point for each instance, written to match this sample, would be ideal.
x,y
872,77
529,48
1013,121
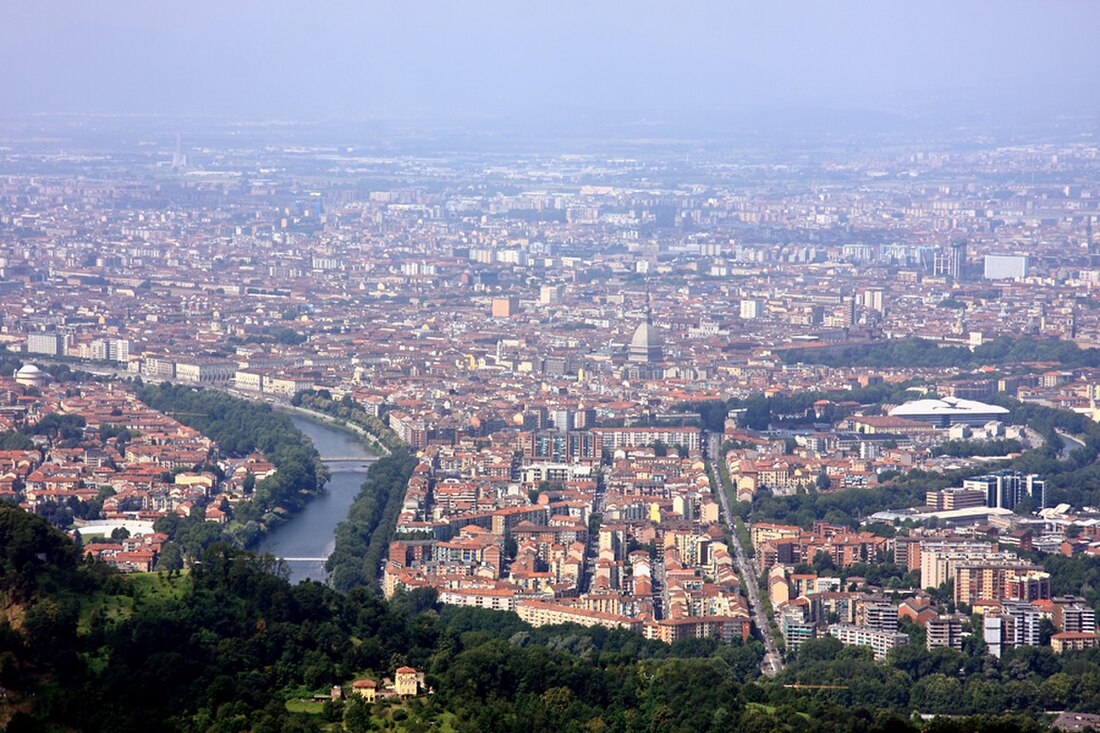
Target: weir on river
x,y
307,539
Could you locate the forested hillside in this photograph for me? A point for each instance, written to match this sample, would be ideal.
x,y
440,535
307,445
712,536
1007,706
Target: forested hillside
x,y
228,645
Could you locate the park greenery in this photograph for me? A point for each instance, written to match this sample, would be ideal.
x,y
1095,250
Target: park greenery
x,y
761,412
1078,575
970,448
918,353
232,646
946,681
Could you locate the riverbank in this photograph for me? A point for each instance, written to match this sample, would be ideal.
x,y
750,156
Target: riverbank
x,y
307,538
241,427
371,442
362,540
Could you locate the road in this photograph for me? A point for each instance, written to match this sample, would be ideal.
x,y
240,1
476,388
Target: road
x,y
592,547
773,660
1069,444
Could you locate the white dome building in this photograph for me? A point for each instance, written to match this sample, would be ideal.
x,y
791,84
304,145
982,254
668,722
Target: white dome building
x,y
29,375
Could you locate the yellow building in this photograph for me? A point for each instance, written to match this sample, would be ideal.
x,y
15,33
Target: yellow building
x,y
542,613
405,682
764,532
366,689
204,480
779,591
1064,642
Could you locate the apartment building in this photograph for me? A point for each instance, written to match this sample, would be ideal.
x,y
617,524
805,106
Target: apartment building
x,y
880,642
944,631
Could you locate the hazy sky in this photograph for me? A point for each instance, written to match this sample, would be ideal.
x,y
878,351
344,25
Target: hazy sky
x,y
317,58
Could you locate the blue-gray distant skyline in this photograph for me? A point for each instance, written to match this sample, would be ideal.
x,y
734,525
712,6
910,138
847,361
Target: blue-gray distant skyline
x,y
270,58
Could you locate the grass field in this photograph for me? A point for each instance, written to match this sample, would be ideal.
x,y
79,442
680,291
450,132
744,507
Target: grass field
x,y
159,587
382,716
309,707
771,709
145,590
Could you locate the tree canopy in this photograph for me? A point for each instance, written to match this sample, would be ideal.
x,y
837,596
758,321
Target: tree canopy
x,y
922,353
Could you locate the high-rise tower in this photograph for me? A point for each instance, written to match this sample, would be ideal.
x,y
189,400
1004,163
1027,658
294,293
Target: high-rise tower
x,y
179,160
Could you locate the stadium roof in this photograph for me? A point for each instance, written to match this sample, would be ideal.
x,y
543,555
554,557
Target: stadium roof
x,y
947,407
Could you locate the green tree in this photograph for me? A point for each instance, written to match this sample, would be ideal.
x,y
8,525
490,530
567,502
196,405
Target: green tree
x,y
357,716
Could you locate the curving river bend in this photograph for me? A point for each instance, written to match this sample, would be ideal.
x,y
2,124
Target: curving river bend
x,y
309,536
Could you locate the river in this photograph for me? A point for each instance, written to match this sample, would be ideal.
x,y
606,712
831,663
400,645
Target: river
x,y
309,536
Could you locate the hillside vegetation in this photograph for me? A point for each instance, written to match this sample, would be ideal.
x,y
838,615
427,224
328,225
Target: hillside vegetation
x,y
227,646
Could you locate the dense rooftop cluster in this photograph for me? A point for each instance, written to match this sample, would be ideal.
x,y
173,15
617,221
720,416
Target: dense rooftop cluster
x,y
619,283
589,353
